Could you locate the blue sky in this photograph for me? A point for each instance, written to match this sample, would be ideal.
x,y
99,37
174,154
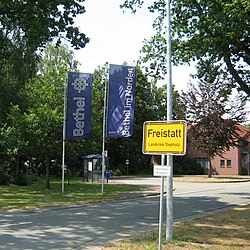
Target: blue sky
x,y
117,37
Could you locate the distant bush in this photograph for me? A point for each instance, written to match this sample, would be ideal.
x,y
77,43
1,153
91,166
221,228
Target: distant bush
x,y
119,170
33,178
22,179
5,178
187,166
116,172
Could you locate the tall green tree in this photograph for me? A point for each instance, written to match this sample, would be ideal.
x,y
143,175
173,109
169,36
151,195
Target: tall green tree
x,y
211,114
201,29
26,26
41,119
45,95
16,68
38,22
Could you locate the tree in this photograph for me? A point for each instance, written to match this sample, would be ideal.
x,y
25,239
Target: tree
x,y
201,29
16,68
38,125
14,143
25,27
211,114
38,22
45,94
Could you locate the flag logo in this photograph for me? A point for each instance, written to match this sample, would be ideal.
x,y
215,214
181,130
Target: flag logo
x,y
80,84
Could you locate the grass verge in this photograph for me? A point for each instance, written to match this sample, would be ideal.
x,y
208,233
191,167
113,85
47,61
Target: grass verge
x,y
78,192
213,179
227,230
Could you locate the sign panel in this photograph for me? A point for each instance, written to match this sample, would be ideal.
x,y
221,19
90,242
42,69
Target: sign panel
x,y
164,137
163,171
78,108
121,95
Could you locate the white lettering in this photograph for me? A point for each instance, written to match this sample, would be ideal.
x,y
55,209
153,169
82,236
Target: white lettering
x,y
128,103
79,116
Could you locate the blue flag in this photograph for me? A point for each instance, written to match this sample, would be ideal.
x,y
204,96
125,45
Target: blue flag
x,y
78,107
121,94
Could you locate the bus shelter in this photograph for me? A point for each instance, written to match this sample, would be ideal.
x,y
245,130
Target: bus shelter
x,y
92,168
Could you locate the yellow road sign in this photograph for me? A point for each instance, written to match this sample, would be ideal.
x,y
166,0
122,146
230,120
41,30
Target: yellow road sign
x,y
164,137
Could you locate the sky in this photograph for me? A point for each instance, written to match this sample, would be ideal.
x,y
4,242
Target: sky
x,y
117,37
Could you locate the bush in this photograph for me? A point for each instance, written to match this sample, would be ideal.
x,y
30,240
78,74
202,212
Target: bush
x,y
116,172
33,178
5,178
187,166
22,180
119,170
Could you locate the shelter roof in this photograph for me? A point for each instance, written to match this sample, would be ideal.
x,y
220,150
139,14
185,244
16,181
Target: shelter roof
x,y
94,156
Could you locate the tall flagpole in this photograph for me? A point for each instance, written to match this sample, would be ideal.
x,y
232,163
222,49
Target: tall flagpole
x,y
104,123
64,131
169,196
63,163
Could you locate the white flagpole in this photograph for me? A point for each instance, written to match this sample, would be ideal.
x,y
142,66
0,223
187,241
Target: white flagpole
x,y
104,124
169,195
63,163
64,131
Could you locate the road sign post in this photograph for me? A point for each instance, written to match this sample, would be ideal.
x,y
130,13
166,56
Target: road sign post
x,y
127,164
165,138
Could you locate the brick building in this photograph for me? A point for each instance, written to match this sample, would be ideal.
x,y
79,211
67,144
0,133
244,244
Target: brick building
x,y
236,161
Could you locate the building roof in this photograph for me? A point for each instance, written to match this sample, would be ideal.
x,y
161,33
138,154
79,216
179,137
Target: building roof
x,y
243,132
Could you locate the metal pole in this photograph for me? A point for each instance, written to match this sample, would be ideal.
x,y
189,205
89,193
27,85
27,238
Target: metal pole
x,y
64,131
63,163
104,124
169,196
161,207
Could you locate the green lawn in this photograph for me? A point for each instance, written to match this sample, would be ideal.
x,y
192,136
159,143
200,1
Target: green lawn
x,y
78,192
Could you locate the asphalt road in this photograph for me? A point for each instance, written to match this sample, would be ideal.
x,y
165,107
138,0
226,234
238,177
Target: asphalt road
x,y
93,226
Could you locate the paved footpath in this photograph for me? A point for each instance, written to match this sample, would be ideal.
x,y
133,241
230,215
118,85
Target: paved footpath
x,y
152,185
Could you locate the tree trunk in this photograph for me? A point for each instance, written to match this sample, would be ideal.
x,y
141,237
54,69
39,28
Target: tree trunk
x,y
47,171
209,167
68,174
17,165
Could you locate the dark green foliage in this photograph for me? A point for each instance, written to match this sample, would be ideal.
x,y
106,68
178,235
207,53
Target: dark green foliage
x,y
26,26
22,179
38,22
35,133
186,166
5,177
119,170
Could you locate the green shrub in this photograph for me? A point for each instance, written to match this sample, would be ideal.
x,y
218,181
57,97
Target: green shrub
x,y
187,166
116,172
33,178
22,180
5,178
